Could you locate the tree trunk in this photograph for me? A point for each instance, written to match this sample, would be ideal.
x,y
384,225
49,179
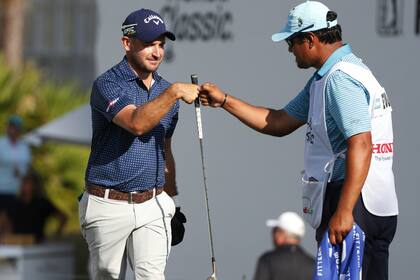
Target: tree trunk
x,y
13,14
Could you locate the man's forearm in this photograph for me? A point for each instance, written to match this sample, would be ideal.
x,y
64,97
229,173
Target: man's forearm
x,y
170,185
139,120
358,159
252,116
261,119
145,117
359,153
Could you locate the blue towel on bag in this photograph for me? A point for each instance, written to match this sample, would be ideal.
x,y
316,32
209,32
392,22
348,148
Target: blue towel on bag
x,y
343,261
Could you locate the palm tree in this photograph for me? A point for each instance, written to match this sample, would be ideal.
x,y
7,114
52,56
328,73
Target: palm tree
x,y
12,14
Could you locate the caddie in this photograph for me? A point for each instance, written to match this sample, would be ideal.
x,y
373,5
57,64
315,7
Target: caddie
x,y
348,173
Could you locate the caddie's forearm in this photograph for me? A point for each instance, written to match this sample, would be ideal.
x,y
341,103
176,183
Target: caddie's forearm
x,y
265,120
252,116
359,153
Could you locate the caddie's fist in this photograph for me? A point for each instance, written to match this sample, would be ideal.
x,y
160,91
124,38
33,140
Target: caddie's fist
x,y
177,226
211,95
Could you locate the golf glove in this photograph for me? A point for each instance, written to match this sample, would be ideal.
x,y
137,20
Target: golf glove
x,y
177,226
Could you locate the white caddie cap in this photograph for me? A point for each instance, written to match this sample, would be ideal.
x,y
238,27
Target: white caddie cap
x,y
308,16
289,222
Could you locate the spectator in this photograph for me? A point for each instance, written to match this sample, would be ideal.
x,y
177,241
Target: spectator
x,y
29,213
15,157
5,227
287,261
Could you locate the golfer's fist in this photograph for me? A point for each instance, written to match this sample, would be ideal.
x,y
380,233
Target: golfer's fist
x,y
211,95
187,92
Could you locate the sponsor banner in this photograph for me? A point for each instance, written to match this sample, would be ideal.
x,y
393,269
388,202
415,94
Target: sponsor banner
x,y
197,21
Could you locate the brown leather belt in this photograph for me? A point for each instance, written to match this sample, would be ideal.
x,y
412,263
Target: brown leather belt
x,y
131,197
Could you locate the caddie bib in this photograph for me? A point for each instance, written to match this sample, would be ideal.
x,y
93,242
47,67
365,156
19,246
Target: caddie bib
x,y
378,191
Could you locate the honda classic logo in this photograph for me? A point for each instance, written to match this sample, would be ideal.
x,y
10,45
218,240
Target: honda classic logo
x,y
198,21
384,148
383,151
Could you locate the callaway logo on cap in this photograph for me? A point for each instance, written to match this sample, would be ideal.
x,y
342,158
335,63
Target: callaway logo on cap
x,y
145,25
156,19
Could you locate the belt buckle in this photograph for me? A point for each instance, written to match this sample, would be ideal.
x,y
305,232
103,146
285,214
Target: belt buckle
x,y
130,197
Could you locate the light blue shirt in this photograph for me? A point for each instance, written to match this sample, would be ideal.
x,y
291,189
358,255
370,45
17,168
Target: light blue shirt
x,y
346,105
14,163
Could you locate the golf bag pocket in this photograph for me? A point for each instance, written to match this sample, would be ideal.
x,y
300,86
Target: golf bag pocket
x,y
312,200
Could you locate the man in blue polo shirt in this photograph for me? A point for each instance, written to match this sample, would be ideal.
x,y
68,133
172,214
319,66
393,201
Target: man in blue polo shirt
x,y
126,209
348,173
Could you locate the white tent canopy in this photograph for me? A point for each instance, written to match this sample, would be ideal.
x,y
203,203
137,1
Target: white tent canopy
x,y
73,127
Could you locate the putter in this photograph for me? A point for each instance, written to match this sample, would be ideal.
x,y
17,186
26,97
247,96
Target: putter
x,y
194,80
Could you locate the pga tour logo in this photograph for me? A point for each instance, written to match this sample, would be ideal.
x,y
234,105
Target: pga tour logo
x,y
153,18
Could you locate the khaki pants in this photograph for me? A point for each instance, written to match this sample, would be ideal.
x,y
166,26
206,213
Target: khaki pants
x,y
117,231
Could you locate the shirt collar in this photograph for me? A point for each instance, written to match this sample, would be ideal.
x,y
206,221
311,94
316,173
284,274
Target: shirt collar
x,y
336,56
128,74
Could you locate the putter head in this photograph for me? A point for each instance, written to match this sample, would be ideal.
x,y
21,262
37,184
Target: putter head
x,y
213,266
212,277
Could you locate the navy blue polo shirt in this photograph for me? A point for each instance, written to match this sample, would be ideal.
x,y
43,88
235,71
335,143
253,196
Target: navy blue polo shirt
x,y
119,159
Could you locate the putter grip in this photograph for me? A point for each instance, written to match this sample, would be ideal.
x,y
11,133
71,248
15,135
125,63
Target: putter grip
x,y
194,80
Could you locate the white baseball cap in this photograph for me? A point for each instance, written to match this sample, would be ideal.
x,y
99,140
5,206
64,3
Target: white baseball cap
x,y
308,16
290,222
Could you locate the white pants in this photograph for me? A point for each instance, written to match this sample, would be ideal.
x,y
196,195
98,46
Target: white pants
x,y
117,231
